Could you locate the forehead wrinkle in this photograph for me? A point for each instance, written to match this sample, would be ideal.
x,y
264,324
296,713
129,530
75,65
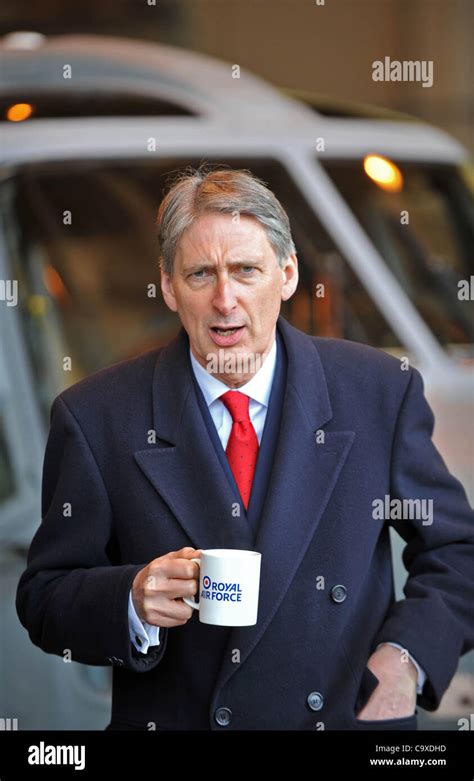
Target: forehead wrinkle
x,y
217,244
211,254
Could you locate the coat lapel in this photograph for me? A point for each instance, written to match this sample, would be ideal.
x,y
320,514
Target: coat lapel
x,y
303,478
185,470
183,466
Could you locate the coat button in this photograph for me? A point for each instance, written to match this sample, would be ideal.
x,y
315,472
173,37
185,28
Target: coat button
x,y
119,662
223,716
338,593
315,700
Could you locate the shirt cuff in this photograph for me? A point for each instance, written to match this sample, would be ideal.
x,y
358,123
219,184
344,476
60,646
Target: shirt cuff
x,y
142,635
421,673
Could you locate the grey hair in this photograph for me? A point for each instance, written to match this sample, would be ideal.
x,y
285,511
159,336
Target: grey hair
x,y
225,191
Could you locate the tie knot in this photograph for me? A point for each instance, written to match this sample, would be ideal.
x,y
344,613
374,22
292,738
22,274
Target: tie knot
x,y
238,405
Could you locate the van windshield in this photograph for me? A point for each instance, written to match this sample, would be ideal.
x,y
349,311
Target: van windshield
x,y
80,241
425,233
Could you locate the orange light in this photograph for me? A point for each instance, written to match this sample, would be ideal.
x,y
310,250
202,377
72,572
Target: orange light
x,y
19,112
54,284
384,173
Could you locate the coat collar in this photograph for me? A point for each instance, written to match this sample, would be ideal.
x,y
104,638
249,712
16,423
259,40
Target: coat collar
x,y
172,381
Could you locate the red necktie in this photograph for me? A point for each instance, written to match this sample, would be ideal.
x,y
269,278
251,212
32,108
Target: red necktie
x,y
242,446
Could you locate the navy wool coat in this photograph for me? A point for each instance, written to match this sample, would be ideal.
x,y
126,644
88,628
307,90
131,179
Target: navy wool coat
x,y
345,427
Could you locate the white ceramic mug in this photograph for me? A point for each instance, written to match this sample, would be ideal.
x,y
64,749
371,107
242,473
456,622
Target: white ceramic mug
x,y
228,587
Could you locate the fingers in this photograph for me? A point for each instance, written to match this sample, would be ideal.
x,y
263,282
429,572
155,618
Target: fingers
x,y
179,568
176,610
169,579
177,588
185,553
168,623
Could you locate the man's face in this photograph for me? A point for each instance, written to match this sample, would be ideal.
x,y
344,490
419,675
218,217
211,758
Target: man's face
x,y
226,275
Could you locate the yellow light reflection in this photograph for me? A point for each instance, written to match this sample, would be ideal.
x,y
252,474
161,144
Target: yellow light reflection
x,y
37,305
19,112
384,173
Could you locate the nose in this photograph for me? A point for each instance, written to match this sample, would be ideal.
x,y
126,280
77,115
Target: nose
x,y
224,299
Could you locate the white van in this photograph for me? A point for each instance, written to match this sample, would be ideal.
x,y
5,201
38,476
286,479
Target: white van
x,y
382,217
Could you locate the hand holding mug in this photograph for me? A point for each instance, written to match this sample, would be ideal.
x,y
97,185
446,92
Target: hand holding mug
x,y
159,588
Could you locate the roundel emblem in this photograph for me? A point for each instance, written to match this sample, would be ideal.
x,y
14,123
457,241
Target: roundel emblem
x,y
206,581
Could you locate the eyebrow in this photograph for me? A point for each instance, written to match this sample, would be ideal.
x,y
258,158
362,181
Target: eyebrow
x,y
236,262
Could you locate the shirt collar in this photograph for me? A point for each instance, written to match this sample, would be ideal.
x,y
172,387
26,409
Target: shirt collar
x,y
257,388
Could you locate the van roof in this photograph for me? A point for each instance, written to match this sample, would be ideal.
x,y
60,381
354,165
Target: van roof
x,y
215,111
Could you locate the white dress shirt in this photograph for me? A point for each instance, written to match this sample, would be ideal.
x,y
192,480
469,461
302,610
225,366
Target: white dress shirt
x,y
144,635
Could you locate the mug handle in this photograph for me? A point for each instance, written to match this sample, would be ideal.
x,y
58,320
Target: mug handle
x,y
190,600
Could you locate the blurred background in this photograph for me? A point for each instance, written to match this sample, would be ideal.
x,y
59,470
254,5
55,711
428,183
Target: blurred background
x,y
100,103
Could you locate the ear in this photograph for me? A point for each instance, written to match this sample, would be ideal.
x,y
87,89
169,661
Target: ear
x,y
168,292
290,277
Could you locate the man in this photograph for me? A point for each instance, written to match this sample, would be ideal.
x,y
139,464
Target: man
x,y
247,433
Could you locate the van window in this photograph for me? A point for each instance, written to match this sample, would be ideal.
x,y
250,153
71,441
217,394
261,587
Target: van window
x,y
65,103
425,233
83,247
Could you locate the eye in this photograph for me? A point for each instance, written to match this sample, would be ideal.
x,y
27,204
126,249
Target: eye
x,y
247,269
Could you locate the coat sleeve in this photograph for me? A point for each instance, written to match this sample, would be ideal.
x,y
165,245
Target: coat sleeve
x,y
71,598
435,622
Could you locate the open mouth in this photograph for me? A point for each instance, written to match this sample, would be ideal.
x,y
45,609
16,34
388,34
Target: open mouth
x,y
226,331
227,336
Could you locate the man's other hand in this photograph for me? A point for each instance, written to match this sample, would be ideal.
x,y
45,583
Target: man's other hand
x,y
395,696
158,588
